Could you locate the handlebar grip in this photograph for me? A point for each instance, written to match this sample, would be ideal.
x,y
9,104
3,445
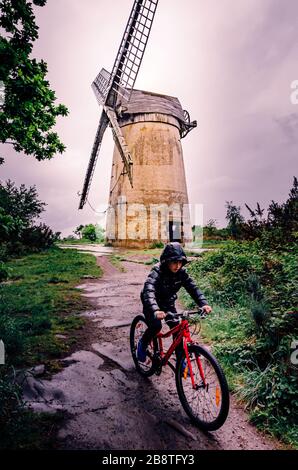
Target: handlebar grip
x,y
171,314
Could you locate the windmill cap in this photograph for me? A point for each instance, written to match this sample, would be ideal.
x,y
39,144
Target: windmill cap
x,y
173,252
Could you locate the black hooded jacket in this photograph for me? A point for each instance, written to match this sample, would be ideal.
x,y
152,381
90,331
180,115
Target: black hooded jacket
x,y
161,286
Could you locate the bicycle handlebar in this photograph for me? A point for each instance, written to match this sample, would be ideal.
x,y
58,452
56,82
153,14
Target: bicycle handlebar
x,y
186,314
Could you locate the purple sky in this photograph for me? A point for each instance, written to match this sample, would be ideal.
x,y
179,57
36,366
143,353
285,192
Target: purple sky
x,y
231,64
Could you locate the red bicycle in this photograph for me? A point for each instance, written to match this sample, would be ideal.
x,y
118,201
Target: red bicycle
x,y
201,384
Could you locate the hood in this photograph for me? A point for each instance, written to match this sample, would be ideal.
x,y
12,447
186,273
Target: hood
x,y
173,252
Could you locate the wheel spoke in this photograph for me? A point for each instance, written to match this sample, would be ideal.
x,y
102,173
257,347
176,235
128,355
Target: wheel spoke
x,y
138,328
205,402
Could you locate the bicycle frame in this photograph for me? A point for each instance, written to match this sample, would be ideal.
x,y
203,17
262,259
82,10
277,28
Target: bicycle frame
x,y
183,335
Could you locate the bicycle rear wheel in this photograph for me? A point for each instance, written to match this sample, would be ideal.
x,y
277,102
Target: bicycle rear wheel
x,y
137,329
208,404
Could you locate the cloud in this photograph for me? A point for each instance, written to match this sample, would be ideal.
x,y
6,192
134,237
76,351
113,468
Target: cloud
x,y
289,127
230,63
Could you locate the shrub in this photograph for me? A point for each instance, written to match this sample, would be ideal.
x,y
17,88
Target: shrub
x,y
3,272
259,284
39,237
12,335
156,244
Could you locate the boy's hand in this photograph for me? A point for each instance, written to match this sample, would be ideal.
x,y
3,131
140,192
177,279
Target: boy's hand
x,y
160,315
207,308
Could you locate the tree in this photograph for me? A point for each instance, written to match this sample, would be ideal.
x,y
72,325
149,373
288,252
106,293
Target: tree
x,y
29,112
20,204
89,232
78,230
94,233
197,233
234,218
281,224
256,214
100,233
19,209
254,227
285,215
210,228
282,221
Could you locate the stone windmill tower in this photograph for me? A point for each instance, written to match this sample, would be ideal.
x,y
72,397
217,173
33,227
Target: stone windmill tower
x,y
148,195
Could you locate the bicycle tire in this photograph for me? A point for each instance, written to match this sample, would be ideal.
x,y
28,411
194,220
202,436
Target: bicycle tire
x,y
148,368
183,382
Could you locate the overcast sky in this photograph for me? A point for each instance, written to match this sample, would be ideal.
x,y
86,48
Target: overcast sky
x,y
231,64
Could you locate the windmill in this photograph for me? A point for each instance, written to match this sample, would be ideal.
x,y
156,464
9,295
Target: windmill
x,y
128,112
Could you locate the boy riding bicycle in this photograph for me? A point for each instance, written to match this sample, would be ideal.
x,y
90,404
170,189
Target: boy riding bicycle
x,y
160,293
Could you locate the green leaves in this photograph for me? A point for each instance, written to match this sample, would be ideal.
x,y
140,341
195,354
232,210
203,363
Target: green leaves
x,y
29,111
255,288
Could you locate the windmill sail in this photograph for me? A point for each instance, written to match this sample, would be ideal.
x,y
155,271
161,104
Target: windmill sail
x,y
121,143
103,123
131,50
121,82
101,86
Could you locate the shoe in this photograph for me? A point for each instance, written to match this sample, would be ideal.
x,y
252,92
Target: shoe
x,y
185,369
141,352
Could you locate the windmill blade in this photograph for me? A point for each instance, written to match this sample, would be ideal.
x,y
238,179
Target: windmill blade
x,y
100,86
103,123
121,143
131,50
108,87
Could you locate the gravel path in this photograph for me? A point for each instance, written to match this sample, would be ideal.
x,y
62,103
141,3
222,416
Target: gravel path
x,y
110,406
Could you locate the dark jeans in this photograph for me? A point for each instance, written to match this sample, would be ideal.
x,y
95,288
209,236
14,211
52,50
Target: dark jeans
x,y
154,327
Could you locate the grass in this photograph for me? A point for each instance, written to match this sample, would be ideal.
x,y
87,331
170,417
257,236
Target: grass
x,y
40,300
145,251
226,331
210,244
81,241
116,261
31,431
214,243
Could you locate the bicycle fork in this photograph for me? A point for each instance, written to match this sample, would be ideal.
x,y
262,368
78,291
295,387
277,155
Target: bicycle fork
x,y
195,386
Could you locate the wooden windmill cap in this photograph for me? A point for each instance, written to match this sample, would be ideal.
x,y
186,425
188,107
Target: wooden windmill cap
x,y
146,102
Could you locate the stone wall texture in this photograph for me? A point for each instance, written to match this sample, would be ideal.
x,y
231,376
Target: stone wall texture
x,y
158,180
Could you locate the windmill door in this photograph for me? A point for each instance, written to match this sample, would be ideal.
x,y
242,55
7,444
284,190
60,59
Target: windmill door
x,y
175,231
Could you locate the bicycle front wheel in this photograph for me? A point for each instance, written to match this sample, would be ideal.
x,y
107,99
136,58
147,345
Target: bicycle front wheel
x,y
207,404
137,329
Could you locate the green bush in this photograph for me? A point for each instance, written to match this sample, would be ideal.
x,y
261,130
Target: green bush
x,y
3,272
156,244
256,289
10,400
12,335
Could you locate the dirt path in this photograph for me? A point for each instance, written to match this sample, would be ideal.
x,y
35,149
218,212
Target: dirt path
x,y
109,405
